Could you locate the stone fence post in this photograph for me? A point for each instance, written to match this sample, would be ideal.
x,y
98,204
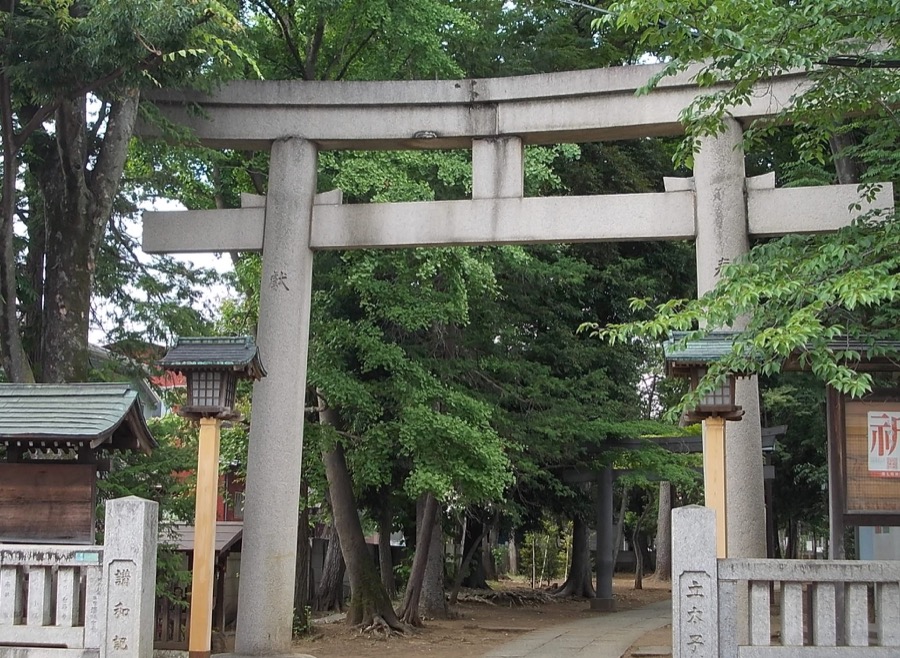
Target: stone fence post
x,y
129,578
695,592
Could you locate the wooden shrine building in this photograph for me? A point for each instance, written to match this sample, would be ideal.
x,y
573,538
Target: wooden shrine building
x,y
56,437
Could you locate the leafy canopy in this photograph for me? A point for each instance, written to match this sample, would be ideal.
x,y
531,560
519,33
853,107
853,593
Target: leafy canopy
x,y
801,293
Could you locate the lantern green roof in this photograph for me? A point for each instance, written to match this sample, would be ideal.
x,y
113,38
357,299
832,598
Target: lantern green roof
x,y
53,416
869,355
215,353
699,351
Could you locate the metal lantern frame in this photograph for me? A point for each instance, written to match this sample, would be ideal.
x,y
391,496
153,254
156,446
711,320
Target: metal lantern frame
x,y
718,402
213,366
691,360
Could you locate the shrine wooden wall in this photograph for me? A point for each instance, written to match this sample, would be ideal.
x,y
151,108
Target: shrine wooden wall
x,y
47,502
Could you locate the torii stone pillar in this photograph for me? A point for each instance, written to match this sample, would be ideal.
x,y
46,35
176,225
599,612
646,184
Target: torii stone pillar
x,y
266,594
722,236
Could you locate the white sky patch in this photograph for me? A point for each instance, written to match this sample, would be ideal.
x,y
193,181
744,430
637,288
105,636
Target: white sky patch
x,y
211,298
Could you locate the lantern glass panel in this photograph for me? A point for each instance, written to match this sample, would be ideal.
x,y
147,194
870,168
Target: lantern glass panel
x,y
230,385
717,398
720,398
205,388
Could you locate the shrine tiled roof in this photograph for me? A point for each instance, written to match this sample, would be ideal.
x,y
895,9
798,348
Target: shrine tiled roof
x,y
49,416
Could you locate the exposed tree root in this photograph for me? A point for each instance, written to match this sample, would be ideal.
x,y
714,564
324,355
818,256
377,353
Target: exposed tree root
x,y
508,597
377,627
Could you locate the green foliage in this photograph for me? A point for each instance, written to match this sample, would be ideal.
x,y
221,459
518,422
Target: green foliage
x,y
140,300
303,623
844,47
356,39
544,550
70,47
802,293
800,457
804,296
163,476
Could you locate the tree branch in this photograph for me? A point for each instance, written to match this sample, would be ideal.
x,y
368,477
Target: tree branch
x,y
104,179
354,55
101,117
292,46
312,54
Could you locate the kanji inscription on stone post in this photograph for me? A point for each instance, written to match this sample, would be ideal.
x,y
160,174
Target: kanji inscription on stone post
x,y
121,625
129,577
695,595
696,620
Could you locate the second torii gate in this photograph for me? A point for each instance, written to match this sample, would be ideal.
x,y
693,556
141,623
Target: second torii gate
x,y
496,118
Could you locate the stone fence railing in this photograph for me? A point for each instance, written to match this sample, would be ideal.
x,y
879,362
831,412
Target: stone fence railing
x,y
83,601
724,607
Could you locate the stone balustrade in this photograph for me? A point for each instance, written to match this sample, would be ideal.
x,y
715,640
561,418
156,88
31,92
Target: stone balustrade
x,y
83,601
820,608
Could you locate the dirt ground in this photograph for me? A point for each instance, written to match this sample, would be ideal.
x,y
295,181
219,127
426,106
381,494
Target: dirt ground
x,y
478,627
661,637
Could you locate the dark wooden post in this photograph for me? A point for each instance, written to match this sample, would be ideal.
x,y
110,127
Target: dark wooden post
x,y
604,601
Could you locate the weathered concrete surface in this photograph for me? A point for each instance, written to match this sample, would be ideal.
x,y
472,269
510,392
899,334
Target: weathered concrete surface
x,y
532,220
774,212
598,636
265,599
722,237
506,218
129,577
574,106
498,168
229,229
695,587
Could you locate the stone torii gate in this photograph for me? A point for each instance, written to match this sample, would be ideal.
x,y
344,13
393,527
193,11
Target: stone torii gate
x,y
495,118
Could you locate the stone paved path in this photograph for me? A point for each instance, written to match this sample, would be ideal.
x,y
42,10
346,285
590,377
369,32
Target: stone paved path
x,y
603,636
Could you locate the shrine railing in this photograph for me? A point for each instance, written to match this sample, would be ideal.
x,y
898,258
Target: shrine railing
x,y
752,608
83,601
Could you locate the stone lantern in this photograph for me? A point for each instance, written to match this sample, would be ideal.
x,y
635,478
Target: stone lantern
x,y
691,360
212,367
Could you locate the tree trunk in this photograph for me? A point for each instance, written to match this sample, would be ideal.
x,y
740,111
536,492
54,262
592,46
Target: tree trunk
x,y
664,533
544,562
385,560
638,559
579,582
12,352
638,550
474,578
369,603
620,527
434,599
849,169
488,567
533,559
32,315
410,610
301,582
793,539
330,592
488,544
463,568
513,549
78,206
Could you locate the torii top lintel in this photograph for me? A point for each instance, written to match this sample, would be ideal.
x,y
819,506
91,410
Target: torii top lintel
x,y
574,106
